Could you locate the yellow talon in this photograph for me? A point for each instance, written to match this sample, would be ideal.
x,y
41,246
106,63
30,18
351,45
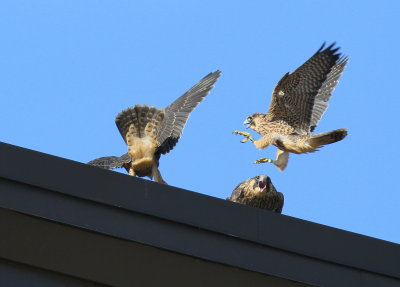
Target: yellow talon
x,y
263,160
246,135
241,133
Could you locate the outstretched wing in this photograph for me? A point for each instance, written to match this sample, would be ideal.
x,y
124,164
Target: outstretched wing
x,y
111,162
300,97
325,92
177,113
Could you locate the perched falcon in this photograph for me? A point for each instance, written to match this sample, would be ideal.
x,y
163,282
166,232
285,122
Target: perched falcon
x,y
298,103
150,132
259,192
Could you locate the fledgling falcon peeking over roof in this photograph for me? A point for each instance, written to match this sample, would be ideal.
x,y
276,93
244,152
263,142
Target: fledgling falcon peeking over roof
x,y
150,132
298,103
259,192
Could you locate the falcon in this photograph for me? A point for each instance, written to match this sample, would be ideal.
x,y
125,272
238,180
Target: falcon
x,y
298,102
258,192
150,132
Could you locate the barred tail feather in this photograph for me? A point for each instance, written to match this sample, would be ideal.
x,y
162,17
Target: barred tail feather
x,y
139,121
321,139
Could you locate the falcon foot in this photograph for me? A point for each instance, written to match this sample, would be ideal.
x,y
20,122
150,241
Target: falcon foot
x,y
246,135
263,160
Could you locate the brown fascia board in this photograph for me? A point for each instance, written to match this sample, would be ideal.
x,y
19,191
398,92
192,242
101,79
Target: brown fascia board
x,y
189,223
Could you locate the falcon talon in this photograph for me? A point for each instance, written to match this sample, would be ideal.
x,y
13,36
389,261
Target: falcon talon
x,y
246,135
241,133
247,138
263,160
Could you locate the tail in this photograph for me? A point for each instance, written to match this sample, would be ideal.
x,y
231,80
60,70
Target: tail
x,y
321,139
139,120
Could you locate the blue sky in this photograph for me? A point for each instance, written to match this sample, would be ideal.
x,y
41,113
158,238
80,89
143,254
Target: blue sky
x,y
67,68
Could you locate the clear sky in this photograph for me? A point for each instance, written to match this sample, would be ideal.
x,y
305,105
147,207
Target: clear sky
x,y
67,68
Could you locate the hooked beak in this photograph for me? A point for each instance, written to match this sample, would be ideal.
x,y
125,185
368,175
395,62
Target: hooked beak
x,y
263,182
247,123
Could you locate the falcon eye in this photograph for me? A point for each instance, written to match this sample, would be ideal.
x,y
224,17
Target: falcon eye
x,y
250,119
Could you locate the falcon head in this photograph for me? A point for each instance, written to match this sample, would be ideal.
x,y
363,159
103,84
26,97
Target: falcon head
x,y
251,121
262,183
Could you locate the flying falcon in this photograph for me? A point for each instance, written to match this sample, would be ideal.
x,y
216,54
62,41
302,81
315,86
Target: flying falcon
x,y
298,103
258,192
150,132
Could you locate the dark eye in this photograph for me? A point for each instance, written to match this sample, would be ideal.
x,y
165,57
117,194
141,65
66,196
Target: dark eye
x,y
250,119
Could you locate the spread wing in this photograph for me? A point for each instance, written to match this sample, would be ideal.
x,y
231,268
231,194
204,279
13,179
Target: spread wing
x,y
300,97
111,162
325,92
177,113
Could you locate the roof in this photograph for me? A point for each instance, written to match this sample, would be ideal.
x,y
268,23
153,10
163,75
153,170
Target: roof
x,y
91,226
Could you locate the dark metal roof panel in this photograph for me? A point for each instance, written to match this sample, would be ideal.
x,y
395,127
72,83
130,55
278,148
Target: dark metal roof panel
x,y
53,178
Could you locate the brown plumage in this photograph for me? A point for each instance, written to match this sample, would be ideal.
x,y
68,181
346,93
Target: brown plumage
x,y
258,192
150,132
298,102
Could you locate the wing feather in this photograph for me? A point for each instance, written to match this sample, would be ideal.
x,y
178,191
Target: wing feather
x,y
239,192
300,97
280,202
177,113
325,92
111,162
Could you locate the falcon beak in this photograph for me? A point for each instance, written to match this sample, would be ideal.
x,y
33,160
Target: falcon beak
x,y
247,123
263,182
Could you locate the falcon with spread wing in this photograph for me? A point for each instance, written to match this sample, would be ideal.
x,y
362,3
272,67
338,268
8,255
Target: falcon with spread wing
x,y
298,103
150,132
259,192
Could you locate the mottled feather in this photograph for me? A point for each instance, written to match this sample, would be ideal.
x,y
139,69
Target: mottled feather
x,y
298,102
140,121
300,97
111,162
248,192
325,92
